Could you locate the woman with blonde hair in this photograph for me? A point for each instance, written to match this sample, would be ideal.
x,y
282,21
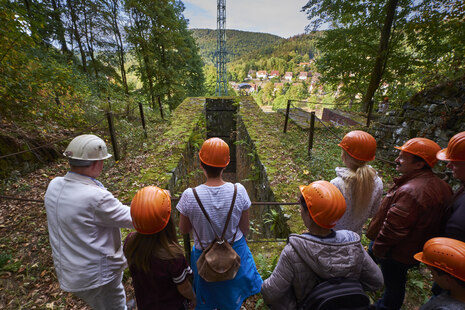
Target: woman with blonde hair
x,y
358,182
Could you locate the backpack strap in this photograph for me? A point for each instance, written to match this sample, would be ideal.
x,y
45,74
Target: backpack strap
x,y
208,217
230,213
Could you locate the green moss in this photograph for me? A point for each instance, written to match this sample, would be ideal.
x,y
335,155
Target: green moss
x,y
285,155
168,150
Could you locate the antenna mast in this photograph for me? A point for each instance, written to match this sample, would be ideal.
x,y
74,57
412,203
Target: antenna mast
x,y
221,78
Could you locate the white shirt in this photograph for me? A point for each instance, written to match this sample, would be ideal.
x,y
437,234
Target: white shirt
x,y
216,201
84,221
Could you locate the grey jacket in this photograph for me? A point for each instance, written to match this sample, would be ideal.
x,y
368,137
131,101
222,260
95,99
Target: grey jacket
x,y
306,258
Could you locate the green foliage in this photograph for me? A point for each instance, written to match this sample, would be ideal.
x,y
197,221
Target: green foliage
x,y
278,222
424,48
6,263
168,61
4,258
266,265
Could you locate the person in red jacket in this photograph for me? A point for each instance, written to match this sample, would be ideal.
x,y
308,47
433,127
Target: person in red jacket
x,y
409,215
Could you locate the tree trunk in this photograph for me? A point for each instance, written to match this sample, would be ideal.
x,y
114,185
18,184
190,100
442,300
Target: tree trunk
x,y
59,29
160,106
380,61
89,40
72,11
119,44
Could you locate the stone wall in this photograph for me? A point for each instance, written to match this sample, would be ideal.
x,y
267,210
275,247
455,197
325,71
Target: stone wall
x,y
251,173
437,113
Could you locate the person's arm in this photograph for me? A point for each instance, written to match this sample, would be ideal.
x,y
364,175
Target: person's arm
x,y
244,222
110,212
183,206
185,289
185,225
397,225
371,277
279,283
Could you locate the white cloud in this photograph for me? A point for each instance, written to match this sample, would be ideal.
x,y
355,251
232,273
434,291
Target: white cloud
x,y
279,17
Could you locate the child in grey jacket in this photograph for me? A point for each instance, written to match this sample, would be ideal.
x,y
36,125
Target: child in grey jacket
x,y
320,253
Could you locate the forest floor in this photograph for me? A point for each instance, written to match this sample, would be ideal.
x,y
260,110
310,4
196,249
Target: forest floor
x,y
27,276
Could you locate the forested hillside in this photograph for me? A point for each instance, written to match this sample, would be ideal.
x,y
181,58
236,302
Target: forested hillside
x,y
283,57
64,63
57,55
239,43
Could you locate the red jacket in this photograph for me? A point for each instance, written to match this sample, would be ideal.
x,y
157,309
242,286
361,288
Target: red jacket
x,y
409,215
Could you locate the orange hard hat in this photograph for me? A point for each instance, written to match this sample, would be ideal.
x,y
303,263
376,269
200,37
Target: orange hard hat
x,y
150,210
214,152
360,145
325,203
446,254
422,147
455,150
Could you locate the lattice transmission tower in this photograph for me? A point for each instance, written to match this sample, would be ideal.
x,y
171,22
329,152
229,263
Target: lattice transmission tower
x,y
221,78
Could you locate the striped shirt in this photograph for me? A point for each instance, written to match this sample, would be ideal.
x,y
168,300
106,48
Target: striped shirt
x,y
216,201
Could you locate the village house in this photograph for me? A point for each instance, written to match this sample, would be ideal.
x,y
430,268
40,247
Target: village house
x,y
304,64
262,74
303,76
288,76
274,73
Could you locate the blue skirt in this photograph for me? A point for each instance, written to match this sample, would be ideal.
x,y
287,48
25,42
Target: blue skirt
x,y
229,294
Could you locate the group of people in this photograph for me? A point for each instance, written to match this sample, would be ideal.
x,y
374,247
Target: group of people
x,y
419,220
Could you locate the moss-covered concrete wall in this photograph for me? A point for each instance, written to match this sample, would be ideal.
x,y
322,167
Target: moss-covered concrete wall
x,y
257,143
174,163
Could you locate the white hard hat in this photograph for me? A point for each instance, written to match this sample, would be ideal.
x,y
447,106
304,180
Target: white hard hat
x,y
87,147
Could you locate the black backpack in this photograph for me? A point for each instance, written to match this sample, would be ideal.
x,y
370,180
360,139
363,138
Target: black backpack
x,y
336,294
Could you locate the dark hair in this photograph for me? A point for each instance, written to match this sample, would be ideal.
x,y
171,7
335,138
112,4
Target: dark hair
x,y
417,159
302,202
140,248
441,272
212,172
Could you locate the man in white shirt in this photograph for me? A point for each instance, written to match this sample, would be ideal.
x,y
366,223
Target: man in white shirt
x,y
84,221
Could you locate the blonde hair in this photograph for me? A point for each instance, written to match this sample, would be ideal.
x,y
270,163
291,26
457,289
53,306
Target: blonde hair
x,y
361,181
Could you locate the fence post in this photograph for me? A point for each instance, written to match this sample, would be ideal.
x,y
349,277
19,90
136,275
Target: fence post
x,y
370,109
112,135
141,109
310,132
187,246
287,115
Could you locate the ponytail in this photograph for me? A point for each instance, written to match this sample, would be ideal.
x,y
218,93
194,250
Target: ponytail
x,y
361,182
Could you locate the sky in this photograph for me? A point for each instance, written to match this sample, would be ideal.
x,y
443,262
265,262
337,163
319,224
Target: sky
x,y
278,17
